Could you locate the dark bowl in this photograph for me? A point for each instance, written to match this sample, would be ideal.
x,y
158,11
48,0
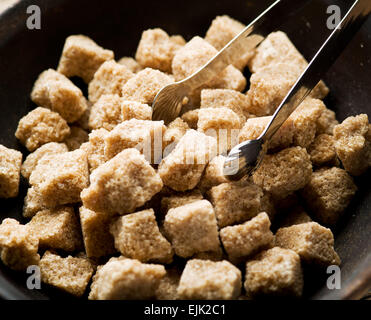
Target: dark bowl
x,y
117,25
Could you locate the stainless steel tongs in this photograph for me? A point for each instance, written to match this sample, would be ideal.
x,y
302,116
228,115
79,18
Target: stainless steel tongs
x,y
244,158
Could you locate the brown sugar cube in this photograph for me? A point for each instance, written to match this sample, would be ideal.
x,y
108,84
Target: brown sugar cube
x,y
178,200
70,274
222,124
226,98
192,228
269,86
312,242
60,178
304,119
10,168
156,50
243,240
230,207
209,280
284,172
174,132
106,112
82,57
98,241
109,79
144,135
275,272
277,48
56,92
222,30
137,236
168,285
18,247
131,64
353,144
135,110
191,118
191,57
322,151
57,229
33,158
108,193
213,174
296,215
33,203
327,122
145,85
230,78
182,169
41,126
126,279
254,127
95,148
328,193
77,137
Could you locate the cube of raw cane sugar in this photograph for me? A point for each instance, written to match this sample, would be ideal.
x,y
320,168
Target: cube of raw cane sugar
x,y
180,199
56,92
135,110
168,285
82,57
70,274
41,126
131,64
144,135
244,240
254,127
33,158
312,242
191,118
145,85
137,236
18,246
268,87
108,193
57,229
126,279
109,79
277,48
327,122
213,174
10,168
305,119
77,137
106,112
156,49
174,132
226,98
221,31
230,78
209,280
284,172
60,178
33,203
98,241
328,193
182,169
230,207
322,151
353,144
275,272
95,148
222,124
192,228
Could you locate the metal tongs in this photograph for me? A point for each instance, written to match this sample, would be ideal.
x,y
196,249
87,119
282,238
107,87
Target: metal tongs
x,y
246,157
